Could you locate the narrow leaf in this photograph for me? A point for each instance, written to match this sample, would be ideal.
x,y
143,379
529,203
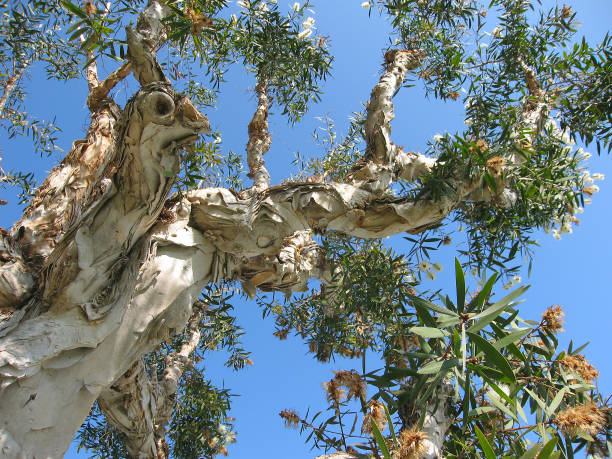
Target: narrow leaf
x,y
493,355
484,444
460,283
382,444
429,332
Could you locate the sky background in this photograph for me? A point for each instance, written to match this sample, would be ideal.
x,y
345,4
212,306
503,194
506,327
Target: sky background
x,y
573,272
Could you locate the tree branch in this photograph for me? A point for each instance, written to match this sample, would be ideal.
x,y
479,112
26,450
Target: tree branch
x,y
382,156
144,41
100,92
259,140
10,84
140,404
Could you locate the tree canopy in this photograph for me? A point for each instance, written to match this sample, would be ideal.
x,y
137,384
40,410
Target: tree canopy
x,y
462,373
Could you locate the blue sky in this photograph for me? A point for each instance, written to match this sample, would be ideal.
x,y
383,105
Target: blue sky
x,y
573,272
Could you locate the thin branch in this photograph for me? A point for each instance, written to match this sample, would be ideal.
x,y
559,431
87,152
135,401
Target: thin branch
x,y
10,85
101,91
144,40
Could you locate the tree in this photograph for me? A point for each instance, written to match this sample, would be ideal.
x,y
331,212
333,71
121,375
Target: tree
x,y
102,277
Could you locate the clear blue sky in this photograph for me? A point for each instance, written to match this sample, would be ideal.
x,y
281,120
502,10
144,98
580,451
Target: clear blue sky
x,y
573,272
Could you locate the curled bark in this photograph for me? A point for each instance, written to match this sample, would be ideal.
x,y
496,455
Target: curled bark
x,y
144,40
140,404
382,156
259,140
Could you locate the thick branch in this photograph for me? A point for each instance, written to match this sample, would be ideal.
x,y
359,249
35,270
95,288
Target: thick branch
x,y
60,362
140,404
299,258
259,225
144,41
379,163
259,140
16,279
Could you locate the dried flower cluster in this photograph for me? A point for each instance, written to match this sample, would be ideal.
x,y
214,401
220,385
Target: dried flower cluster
x,y
578,364
350,353
351,380
552,319
334,393
376,413
291,418
411,444
281,334
581,418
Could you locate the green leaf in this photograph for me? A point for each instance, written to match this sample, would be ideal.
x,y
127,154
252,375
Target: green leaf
x,y
493,311
432,306
74,9
477,303
550,409
484,444
390,424
502,407
532,452
460,284
429,332
511,338
382,444
548,449
438,367
493,355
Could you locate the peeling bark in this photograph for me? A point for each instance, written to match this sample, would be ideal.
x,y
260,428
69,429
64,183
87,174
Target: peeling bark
x,y
259,140
140,404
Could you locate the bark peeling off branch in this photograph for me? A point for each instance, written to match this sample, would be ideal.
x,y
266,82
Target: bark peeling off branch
x,y
99,93
67,190
143,42
535,112
258,226
62,362
16,280
299,259
259,140
380,149
140,404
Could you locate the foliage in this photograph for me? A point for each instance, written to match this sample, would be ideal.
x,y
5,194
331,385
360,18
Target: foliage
x,y
100,438
505,374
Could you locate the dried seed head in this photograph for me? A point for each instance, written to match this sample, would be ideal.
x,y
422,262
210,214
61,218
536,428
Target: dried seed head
x,y
281,334
581,418
376,413
334,393
495,165
412,444
578,364
290,417
353,382
552,319
453,95
566,12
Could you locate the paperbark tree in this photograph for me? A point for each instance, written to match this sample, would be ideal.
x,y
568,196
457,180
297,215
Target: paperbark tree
x,y
107,263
